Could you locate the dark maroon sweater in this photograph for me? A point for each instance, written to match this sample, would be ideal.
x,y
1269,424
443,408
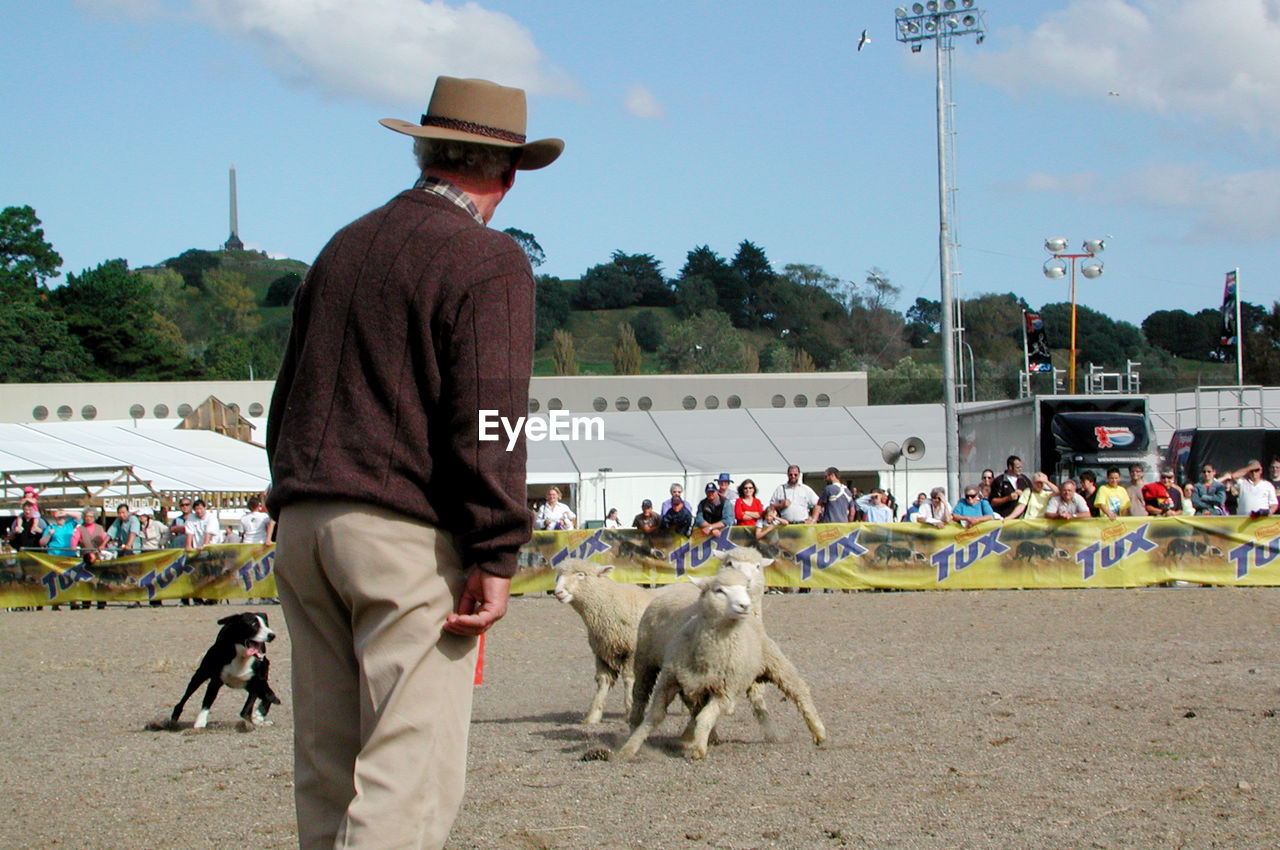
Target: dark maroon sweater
x,y
413,320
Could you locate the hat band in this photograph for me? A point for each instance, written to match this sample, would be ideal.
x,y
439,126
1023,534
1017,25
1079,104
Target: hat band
x,y
473,128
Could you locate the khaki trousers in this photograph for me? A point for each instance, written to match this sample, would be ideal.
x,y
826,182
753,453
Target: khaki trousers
x,y
381,695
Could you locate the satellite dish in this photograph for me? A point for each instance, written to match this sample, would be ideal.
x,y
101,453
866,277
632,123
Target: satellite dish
x,y
913,448
891,451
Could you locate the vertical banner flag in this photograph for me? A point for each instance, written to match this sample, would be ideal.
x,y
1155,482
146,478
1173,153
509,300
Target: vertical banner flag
x,y
1229,330
1038,359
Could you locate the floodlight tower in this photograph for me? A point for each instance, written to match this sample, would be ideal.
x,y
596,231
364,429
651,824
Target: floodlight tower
x,y
943,20
1055,268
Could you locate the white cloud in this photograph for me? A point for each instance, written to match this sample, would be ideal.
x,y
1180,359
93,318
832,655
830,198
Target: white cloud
x,y
1210,61
1240,208
389,50
641,103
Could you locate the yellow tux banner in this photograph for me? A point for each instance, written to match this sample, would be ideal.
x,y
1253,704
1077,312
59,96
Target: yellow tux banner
x,y
1127,552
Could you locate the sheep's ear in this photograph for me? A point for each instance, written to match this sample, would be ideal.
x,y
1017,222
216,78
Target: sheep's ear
x,y
700,582
604,570
764,562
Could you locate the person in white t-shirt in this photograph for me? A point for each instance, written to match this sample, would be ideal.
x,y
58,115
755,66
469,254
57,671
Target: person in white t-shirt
x,y
554,515
256,526
795,501
200,527
1255,495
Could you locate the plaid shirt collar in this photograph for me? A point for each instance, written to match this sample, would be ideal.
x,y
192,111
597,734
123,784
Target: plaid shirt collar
x,y
445,189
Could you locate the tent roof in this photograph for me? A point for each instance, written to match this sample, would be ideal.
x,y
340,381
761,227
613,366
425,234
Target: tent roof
x,y
168,457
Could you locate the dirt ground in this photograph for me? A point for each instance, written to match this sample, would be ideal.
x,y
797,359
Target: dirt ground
x,y
1004,719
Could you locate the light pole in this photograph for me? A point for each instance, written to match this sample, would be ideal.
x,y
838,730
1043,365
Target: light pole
x,y
1055,268
941,20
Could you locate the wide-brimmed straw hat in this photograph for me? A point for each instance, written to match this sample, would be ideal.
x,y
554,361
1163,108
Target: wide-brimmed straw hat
x,y
481,112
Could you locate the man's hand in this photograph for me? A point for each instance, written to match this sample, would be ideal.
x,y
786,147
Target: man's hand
x,y
483,603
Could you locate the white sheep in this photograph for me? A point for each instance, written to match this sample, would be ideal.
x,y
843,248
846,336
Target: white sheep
x,y
721,651
611,611
672,607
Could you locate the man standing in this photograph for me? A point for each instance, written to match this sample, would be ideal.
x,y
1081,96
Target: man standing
x,y
795,501
836,501
1255,495
199,527
727,495
398,526
1137,499
126,532
1007,489
256,525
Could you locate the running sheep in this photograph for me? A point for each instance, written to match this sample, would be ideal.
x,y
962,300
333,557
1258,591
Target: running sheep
x,y
611,611
672,607
721,651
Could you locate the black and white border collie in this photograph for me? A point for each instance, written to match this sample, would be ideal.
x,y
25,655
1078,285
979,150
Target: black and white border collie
x,y
237,659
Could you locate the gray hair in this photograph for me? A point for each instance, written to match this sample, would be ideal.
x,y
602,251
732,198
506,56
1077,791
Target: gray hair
x,y
487,161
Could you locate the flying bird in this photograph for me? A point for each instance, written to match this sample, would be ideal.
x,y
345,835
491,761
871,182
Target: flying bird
x,y
863,40
1113,94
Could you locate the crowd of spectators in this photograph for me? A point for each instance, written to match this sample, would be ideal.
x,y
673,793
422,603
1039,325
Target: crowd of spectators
x,y
72,533
1012,494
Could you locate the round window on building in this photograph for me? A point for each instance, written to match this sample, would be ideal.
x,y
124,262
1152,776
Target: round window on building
x,y
800,401
161,411
88,412
733,402
184,410
644,402
534,407
689,402
622,402
555,404
255,408
600,404
822,400
779,400
64,411
137,411
711,402
41,413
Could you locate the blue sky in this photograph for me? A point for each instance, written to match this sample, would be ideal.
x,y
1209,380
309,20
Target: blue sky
x,y
685,124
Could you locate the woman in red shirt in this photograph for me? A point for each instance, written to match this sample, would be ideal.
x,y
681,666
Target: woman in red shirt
x,y
748,508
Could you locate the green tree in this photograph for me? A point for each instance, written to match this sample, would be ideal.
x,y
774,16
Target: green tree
x,y
109,310
563,353
553,306
27,260
908,382
694,295
652,289
757,275
529,245
605,287
647,328
875,329
627,356
993,327
728,284
37,347
1182,334
923,321
1099,339
192,265
702,344
281,291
